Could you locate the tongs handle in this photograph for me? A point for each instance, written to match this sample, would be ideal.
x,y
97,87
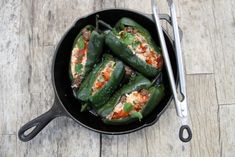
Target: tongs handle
x,y
181,104
178,50
166,59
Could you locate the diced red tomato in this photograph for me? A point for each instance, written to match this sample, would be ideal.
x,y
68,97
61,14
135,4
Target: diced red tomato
x,y
159,61
149,61
106,76
99,85
145,98
83,51
120,114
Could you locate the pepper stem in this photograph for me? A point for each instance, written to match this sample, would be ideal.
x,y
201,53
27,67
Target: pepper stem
x,y
105,24
84,107
97,22
157,80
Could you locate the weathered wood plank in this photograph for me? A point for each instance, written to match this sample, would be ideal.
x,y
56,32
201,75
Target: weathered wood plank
x,y
76,141
111,146
8,145
124,145
163,139
106,4
203,109
196,23
36,89
35,64
9,41
227,127
163,7
223,37
58,16
143,6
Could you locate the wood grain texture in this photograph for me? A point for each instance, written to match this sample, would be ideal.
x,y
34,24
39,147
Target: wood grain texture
x,y
76,141
8,145
163,139
196,20
204,115
44,144
227,126
29,32
9,42
223,37
36,93
143,6
56,22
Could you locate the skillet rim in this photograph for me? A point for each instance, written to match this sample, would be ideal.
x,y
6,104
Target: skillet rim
x,y
57,98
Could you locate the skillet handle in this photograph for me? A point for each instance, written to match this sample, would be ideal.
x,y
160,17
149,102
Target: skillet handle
x,y
167,18
37,124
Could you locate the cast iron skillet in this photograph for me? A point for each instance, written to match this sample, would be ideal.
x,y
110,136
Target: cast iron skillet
x,y
65,103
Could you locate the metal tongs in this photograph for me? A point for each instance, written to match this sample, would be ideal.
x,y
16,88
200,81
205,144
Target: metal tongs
x,y
180,103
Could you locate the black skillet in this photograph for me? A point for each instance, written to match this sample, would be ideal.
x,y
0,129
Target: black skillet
x,y
65,103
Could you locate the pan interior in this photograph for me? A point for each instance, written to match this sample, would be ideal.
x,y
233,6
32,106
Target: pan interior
x,y
62,82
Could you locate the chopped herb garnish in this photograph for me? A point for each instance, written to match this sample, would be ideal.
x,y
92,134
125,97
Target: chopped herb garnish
x,y
127,107
137,115
84,107
128,38
81,43
135,44
78,68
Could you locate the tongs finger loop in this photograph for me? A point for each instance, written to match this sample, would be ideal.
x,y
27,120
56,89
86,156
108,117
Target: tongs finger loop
x,y
181,133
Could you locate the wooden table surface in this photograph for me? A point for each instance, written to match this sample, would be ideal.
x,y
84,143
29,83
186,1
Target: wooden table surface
x,y
29,32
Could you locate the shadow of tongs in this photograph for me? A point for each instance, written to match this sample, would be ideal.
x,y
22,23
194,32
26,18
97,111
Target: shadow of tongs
x,y
180,103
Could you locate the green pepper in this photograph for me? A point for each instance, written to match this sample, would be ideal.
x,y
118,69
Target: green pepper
x,y
156,94
124,46
86,51
100,96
